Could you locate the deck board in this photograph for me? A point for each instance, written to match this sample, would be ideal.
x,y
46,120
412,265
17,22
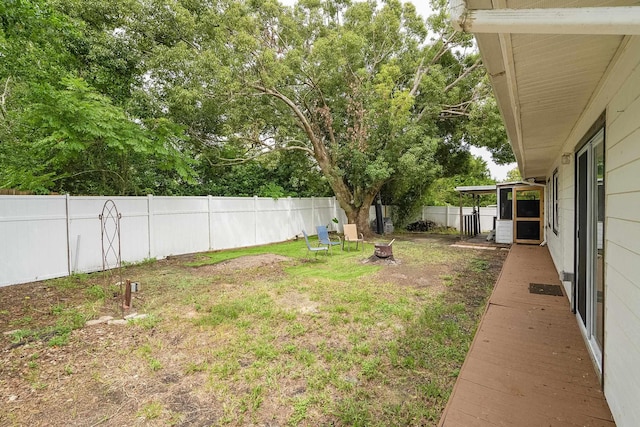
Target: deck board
x,y
528,364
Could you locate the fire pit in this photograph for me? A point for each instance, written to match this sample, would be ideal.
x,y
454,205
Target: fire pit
x,y
383,253
383,250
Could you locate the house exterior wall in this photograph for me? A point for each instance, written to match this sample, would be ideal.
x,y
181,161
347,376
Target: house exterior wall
x,y
561,240
619,96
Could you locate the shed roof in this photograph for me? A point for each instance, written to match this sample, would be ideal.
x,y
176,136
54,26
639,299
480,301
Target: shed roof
x,y
476,189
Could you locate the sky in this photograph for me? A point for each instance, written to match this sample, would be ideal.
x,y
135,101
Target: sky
x,y
498,172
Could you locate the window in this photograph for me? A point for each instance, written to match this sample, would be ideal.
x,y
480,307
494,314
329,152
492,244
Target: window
x,y
549,203
556,208
506,203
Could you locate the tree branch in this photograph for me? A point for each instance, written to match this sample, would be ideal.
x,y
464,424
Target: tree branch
x,y
272,147
445,114
422,70
3,98
418,78
299,114
443,48
319,150
245,159
463,75
90,171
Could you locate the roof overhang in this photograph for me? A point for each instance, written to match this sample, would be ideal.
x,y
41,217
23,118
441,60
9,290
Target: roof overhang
x,y
477,189
545,64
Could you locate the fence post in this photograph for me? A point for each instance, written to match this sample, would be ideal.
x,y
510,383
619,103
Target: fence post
x,y
209,203
255,220
313,212
289,217
150,224
446,220
68,214
335,213
461,216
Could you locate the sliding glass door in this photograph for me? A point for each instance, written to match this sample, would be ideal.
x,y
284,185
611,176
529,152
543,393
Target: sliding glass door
x,y
590,203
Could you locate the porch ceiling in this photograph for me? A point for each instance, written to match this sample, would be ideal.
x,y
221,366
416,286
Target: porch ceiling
x,y
543,82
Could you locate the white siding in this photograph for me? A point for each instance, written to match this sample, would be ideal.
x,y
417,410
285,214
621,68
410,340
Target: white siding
x,y
619,95
554,241
561,244
622,252
504,231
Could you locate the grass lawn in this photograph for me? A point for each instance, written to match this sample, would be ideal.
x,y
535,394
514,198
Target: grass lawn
x,y
261,336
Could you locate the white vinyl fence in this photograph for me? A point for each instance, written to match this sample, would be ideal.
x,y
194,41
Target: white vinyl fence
x,y
449,216
43,237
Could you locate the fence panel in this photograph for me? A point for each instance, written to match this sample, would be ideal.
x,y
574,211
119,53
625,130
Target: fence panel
x,y
33,236
180,225
302,216
85,232
449,216
323,213
51,236
135,237
486,218
233,222
272,220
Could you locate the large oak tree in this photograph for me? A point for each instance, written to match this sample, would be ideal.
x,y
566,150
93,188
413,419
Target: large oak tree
x,y
376,98
187,97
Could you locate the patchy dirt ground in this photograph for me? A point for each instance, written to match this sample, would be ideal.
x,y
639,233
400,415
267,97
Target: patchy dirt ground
x,y
245,262
259,340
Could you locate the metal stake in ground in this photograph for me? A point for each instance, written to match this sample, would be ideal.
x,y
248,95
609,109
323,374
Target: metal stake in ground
x,y
127,296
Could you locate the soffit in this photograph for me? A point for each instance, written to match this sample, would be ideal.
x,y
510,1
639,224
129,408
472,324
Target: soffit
x,y
544,82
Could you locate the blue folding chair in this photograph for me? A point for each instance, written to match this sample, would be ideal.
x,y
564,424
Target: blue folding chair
x,y
323,237
313,249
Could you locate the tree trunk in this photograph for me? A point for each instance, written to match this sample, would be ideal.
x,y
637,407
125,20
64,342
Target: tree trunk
x,y
360,217
362,221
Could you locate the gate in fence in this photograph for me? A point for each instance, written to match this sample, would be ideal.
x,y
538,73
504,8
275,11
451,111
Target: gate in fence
x,y
471,224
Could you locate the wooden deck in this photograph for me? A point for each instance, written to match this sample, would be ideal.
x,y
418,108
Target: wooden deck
x,y
528,364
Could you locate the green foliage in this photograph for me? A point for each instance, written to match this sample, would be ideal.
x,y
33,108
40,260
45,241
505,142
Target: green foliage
x,y
354,412
239,98
147,322
443,193
65,125
151,410
513,175
485,129
77,131
354,88
96,293
274,175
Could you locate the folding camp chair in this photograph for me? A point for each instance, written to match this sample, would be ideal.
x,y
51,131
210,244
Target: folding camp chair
x,y
351,235
323,237
314,249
